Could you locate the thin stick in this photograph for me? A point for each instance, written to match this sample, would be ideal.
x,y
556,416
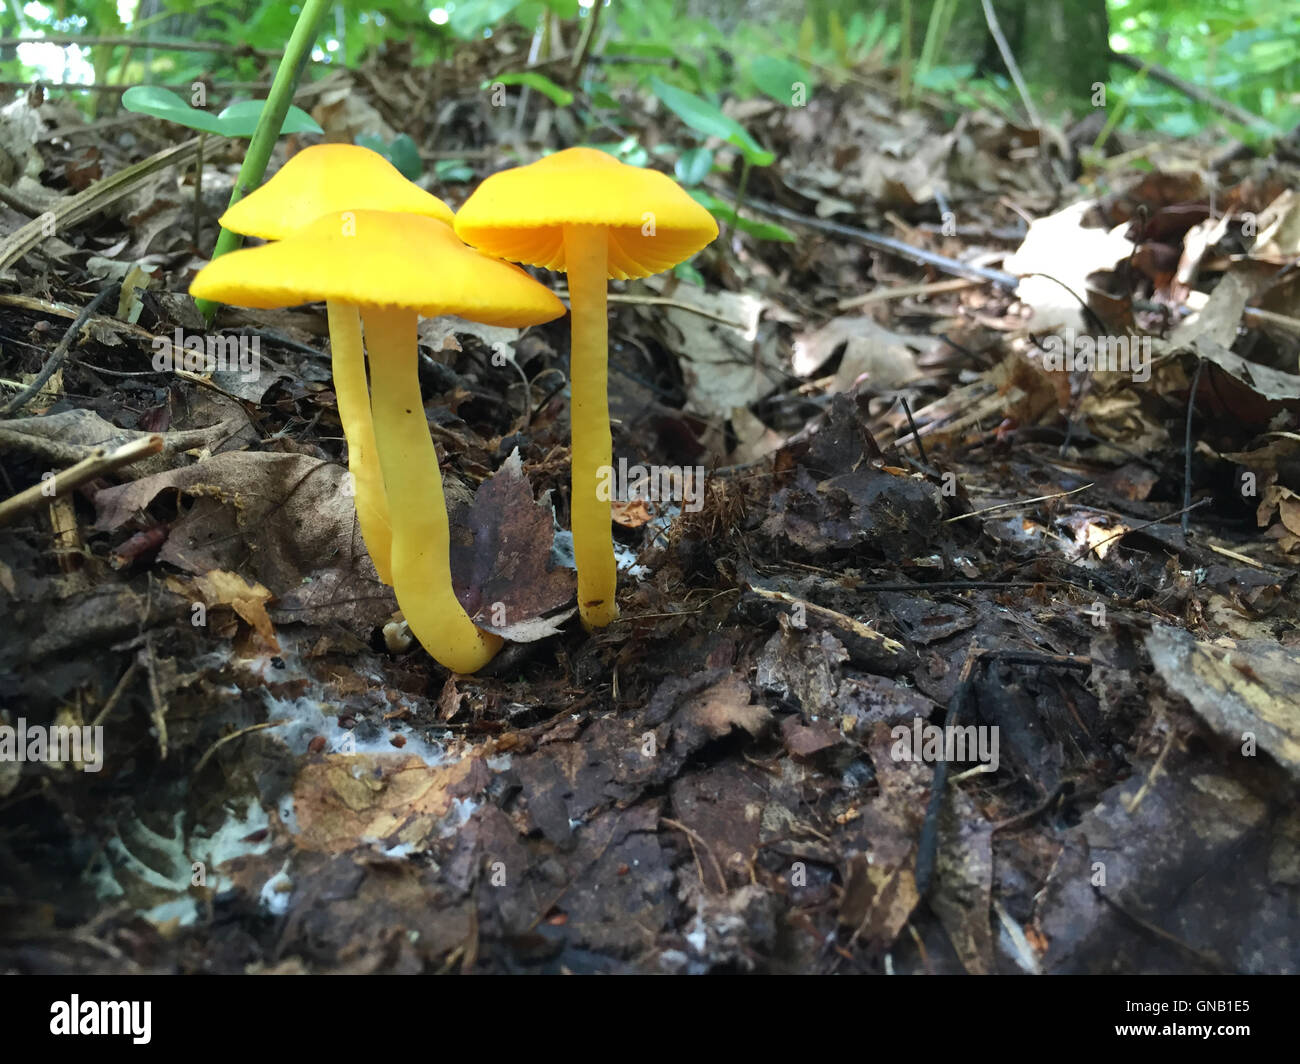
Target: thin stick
x,y
1004,49
903,291
692,834
117,692
1195,92
55,360
584,42
1147,524
1018,502
920,447
664,301
234,735
234,50
98,463
1187,447
890,246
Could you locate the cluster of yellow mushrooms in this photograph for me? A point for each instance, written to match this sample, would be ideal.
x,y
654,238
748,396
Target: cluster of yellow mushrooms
x,y
348,229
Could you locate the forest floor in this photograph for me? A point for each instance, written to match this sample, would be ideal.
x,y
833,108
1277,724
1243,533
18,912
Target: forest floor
x,y
726,779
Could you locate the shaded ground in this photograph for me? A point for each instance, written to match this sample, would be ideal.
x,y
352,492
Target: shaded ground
x,y
716,782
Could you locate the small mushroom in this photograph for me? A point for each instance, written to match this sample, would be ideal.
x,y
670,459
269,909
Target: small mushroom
x,y
584,212
321,180
395,267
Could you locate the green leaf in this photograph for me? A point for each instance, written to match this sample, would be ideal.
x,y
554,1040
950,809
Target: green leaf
x,y
453,171
240,119
402,153
628,150
726,212
164,104
693,166
686,272
557,94
704,117
237,120
781,79
641,49
469,18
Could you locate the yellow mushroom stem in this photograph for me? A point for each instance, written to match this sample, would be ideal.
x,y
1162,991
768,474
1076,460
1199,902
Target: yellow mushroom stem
x,y
354,412
586,255
417,508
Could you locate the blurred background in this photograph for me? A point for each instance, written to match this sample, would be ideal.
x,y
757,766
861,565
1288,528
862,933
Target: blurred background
x,y
1243,52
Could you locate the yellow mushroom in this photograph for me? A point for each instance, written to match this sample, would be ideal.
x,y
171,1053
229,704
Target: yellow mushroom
x,y
321,180
394,267
584,212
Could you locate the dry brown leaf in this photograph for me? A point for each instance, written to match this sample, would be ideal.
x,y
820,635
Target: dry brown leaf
x,y
343,800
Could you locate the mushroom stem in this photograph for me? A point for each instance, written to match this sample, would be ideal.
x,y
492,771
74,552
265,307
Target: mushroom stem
x,y
421,556
586,253
358,429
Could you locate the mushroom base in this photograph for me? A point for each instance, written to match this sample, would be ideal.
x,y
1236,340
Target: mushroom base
x,y
421,553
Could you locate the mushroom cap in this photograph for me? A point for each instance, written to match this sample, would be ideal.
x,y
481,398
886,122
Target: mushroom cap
x,y
326,178
381,259
520,214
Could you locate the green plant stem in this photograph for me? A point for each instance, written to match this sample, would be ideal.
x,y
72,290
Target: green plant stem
x,y
740,200
198,194
296,53
905,64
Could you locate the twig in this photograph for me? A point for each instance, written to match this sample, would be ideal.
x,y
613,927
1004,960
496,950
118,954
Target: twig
x,y
1004,49
920,447
1195,92
118,691
234,735
99,462
68,86
160,706
694,836
584,42
1018,502
1146,524
234,50
891,246
663,301
885,294
1187,447
55,360
927,843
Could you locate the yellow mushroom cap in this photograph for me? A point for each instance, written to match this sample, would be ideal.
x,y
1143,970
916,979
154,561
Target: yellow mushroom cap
x,y
327,178
520,214
381,259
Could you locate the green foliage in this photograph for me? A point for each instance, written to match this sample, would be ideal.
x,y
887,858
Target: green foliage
x,y
693,166
402,153
706,118
237,120
1245,51
779,78
726,212
558,95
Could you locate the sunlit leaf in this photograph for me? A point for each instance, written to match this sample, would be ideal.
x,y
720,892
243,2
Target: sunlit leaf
x,y
557,94
780,78
726,212
693,166
704,117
